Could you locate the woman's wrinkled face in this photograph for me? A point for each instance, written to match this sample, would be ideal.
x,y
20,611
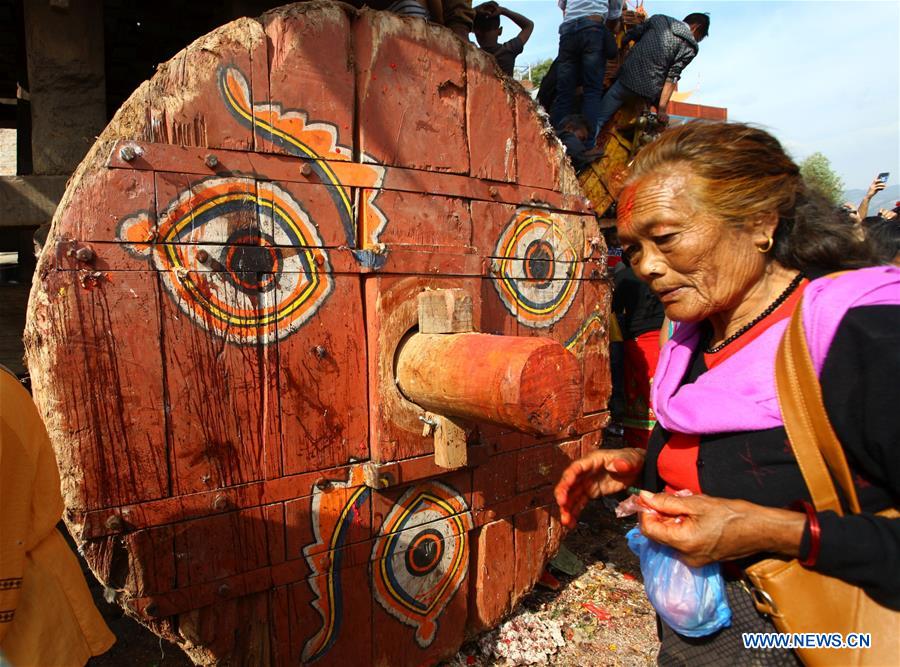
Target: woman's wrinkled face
x,y
695,262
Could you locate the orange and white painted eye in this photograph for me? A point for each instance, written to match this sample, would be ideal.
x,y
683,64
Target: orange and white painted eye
x,y
421,556
240,257
539,270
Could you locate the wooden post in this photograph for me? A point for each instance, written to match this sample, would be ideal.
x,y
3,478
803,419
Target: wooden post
x,y
529,384
67,79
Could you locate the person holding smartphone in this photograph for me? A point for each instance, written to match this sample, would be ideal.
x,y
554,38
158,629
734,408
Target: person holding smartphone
x,y
879,183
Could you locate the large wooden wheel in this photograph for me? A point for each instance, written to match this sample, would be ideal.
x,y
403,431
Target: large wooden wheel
x,y
214,323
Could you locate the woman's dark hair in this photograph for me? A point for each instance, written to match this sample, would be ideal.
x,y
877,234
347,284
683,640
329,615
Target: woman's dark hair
x,y
884,235
744,173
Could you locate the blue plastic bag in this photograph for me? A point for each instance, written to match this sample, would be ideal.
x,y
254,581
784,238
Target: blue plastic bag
x,y
691,600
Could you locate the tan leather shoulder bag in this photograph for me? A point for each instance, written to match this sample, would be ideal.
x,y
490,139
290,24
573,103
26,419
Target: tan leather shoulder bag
x,y
797,599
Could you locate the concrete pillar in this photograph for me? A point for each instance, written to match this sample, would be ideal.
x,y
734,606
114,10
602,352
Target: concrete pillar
x,y
66,75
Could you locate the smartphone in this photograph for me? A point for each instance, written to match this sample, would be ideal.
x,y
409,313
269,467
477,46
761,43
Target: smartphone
x,y
883,176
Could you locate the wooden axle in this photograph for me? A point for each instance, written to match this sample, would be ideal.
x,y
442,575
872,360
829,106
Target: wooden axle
x,y
529,384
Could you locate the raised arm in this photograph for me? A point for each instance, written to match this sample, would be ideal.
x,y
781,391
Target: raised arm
x,y
526,25
874,188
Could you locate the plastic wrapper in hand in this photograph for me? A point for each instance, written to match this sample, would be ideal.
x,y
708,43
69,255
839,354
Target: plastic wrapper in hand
x,y
633,504
691,600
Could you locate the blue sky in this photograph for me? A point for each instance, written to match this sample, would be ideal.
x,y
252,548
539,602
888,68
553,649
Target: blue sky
x,y
820,75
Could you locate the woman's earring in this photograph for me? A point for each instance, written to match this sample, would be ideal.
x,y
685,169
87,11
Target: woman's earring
x,y
766,248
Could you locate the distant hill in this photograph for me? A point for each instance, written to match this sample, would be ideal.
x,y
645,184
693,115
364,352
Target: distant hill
x,y
884,199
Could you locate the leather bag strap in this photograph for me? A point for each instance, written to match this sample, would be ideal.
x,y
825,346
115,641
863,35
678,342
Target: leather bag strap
x,y
826,438
799,411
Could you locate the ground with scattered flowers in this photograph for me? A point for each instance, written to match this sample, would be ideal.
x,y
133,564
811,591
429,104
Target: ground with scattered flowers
x,y
598,618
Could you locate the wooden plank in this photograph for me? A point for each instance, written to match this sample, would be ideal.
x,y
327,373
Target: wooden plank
x,y
196,505
532,532
216,210
497,317
208,115
491,218
544,464
289,169
103,198
398,61
455,486
498,439
196,596
494,480
593,343
536,265
335,517
218,378
275,532
591,442
490,106
403,261
420,563
538,152
398,473
401,645
592,422
307,214
281,602
230,631
395,430
89,332
512,506
421,220
492,575
141,563
199,551
331,620
290,487
151,561
310,73
321,378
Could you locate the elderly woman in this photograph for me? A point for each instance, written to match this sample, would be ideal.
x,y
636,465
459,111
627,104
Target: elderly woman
x,y
716,218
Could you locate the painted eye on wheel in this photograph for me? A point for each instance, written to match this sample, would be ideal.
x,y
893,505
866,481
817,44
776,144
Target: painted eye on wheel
x,y
240,257
421,556
539,270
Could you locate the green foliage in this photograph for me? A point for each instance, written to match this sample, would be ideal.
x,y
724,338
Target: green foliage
x,y
817,172
538,70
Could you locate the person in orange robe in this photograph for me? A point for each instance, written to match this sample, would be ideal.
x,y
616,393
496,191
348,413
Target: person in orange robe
x,y
47,616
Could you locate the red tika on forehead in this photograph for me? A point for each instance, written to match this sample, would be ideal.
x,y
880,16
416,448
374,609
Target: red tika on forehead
x,y
626,207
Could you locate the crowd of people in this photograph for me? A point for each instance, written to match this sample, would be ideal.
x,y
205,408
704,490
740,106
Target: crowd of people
x,y
573,90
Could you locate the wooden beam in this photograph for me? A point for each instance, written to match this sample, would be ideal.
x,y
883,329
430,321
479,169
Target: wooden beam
x,y
529,384
29,201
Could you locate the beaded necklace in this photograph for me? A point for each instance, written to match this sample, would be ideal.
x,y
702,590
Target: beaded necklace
x,y
759,318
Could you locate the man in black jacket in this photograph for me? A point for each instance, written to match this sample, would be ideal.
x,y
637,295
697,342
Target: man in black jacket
x,y
665,46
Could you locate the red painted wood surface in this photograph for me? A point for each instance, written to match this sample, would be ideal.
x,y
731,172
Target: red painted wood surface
x,y
213,330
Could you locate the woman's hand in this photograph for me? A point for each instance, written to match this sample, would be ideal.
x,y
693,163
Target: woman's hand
x,y
706,530
598,474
